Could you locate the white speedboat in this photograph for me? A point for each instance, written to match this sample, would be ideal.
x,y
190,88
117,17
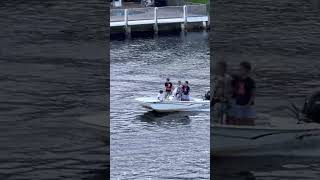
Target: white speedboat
x,y
231,139
172,105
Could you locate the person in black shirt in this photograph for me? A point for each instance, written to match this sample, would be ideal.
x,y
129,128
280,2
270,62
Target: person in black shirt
x,y
168,88
244,89
185,92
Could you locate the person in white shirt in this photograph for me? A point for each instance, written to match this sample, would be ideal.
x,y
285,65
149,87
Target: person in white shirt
x,y
161,96
177,92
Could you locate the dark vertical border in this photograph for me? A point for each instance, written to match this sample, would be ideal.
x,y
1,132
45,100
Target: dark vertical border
x,y
211,40
108,82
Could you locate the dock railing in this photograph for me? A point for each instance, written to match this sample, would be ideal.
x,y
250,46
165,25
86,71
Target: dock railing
x,y
158,15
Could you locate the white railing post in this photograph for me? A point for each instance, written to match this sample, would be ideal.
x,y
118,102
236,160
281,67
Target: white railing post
x,y
185,15
126,17
155,20
204,23
208,13
127,27
185,18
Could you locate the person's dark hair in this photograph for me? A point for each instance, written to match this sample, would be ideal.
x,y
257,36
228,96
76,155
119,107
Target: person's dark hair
x,y
160,91
223,64
168,79
187,82
246,65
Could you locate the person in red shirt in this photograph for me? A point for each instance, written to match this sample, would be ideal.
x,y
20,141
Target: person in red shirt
x,y
242,111
168,88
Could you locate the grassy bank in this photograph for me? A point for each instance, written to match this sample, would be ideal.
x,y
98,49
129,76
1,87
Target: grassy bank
x,y
199,1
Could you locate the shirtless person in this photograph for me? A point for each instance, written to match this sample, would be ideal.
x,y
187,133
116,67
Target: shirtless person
x,y
222,93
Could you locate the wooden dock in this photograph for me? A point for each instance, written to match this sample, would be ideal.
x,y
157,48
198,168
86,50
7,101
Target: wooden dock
x,y
159,15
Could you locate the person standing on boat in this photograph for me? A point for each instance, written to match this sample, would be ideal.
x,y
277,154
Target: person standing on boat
x,y
222,92
160,96
185,95
177,92
168,88
242,111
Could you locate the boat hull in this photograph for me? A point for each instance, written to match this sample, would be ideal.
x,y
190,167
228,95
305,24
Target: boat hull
x,y
172,106
230,140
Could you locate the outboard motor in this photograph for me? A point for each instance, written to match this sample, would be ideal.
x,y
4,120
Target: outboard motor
x,y
311,108
207,96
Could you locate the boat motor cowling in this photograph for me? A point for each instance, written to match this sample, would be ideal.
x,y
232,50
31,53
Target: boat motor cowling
x,y
207,96
311,107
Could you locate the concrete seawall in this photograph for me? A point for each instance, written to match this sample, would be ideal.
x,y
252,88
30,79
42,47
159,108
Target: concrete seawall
x,y
162,28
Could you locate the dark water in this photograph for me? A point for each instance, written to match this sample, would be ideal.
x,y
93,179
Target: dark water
x,y
53,79
282,41
147,145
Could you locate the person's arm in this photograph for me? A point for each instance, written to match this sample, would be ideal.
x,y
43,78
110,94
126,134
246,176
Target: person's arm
x,y
252,97
214,91
230,88
252,94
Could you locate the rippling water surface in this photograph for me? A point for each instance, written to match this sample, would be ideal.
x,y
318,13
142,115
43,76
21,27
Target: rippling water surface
x,y
148,145
282,41
52,77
